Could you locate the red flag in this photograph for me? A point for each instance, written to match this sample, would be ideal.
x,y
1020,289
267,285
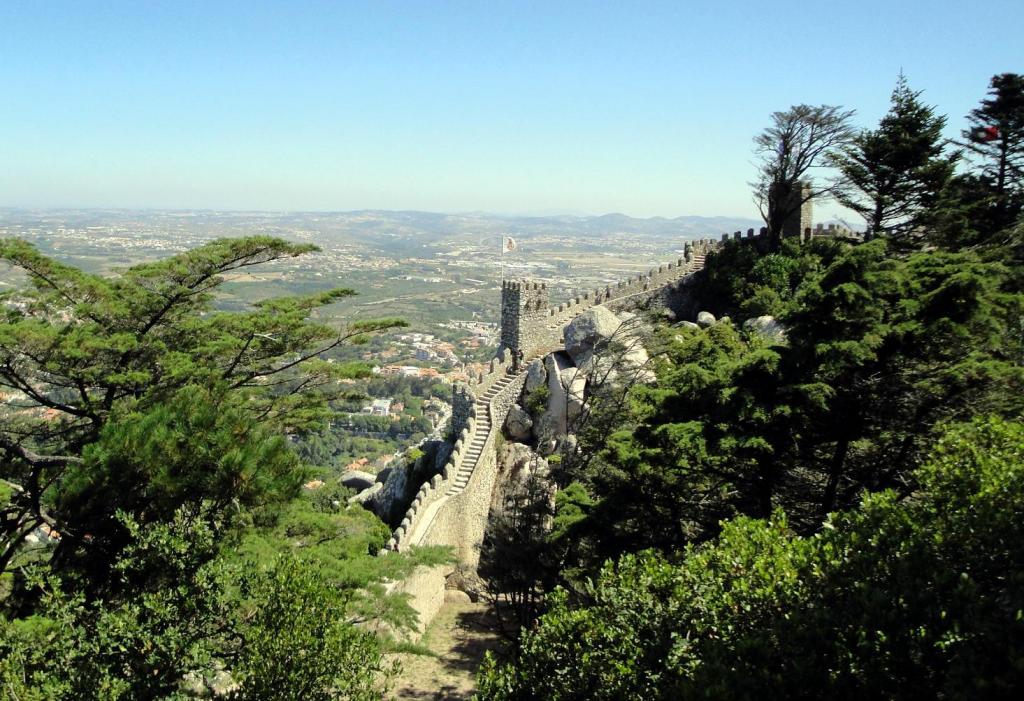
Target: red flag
x,y
985,134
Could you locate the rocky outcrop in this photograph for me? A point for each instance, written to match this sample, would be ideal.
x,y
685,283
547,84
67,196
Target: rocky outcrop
x,y
536,375
574,381
518,423
357,480
368,496
589,330
551,424
387,496
608,347
517,461
767,327
705,319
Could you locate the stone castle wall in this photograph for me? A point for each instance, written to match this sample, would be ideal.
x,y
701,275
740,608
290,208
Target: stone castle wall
x,y
534,332
442,514
531,325
462,519
411,530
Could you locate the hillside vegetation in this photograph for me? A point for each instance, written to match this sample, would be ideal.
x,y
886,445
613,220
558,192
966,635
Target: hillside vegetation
x,y
834,509
820,494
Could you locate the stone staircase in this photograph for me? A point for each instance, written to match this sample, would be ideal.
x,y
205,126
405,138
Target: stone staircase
x,y
470,458
483,426
480,433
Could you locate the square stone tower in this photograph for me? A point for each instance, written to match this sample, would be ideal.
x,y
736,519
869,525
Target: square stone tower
x,y
524,305
800,220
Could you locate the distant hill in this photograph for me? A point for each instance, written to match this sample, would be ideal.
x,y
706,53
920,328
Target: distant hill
x,y
603,225
382,230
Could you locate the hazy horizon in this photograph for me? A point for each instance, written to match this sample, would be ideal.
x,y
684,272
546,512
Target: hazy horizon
x,y
479,212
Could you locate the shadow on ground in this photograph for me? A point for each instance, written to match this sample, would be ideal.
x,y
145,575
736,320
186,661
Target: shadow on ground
x,y
458,636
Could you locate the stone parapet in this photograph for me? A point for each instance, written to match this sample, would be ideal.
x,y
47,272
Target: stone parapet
x,y
534,327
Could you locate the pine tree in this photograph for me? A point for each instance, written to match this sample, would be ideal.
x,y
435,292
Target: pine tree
x,y
131,383
981,205
894,175
1001,151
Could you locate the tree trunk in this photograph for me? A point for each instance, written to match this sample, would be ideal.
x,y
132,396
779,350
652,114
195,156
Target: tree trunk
x,y
765,491
15,542
835,471
876,222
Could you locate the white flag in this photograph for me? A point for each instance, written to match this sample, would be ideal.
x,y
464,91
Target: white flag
x,y
508,245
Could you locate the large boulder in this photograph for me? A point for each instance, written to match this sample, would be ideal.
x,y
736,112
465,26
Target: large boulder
x,y
550,426
518,461
518,423
357,480
466,579
624,359
368,495
391,494
574,381
456,596
625,363
536,375
588,330
767,327
705,319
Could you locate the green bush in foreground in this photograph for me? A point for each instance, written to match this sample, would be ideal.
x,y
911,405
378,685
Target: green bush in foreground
x,y
277,633
920,598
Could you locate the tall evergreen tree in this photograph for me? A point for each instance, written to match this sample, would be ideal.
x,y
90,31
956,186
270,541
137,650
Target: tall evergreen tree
x,y
137,394
1001,151
894,175
989,200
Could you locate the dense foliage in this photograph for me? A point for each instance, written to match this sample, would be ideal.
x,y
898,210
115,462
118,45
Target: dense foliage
x,y
915,597
896,175
879,350
820,495
156,538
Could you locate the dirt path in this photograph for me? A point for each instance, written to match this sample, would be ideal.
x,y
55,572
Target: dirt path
x,y
459,635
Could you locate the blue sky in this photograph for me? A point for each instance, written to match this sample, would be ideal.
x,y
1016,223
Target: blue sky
x,y
646,108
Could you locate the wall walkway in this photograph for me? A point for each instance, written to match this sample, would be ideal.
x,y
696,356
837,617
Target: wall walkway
x,y
452,507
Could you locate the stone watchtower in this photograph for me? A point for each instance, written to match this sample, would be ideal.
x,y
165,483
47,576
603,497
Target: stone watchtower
x,y
799,221
523,306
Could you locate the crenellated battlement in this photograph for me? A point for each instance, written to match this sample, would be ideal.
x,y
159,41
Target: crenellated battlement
x,y
530,324
522,302
523,285
452,507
